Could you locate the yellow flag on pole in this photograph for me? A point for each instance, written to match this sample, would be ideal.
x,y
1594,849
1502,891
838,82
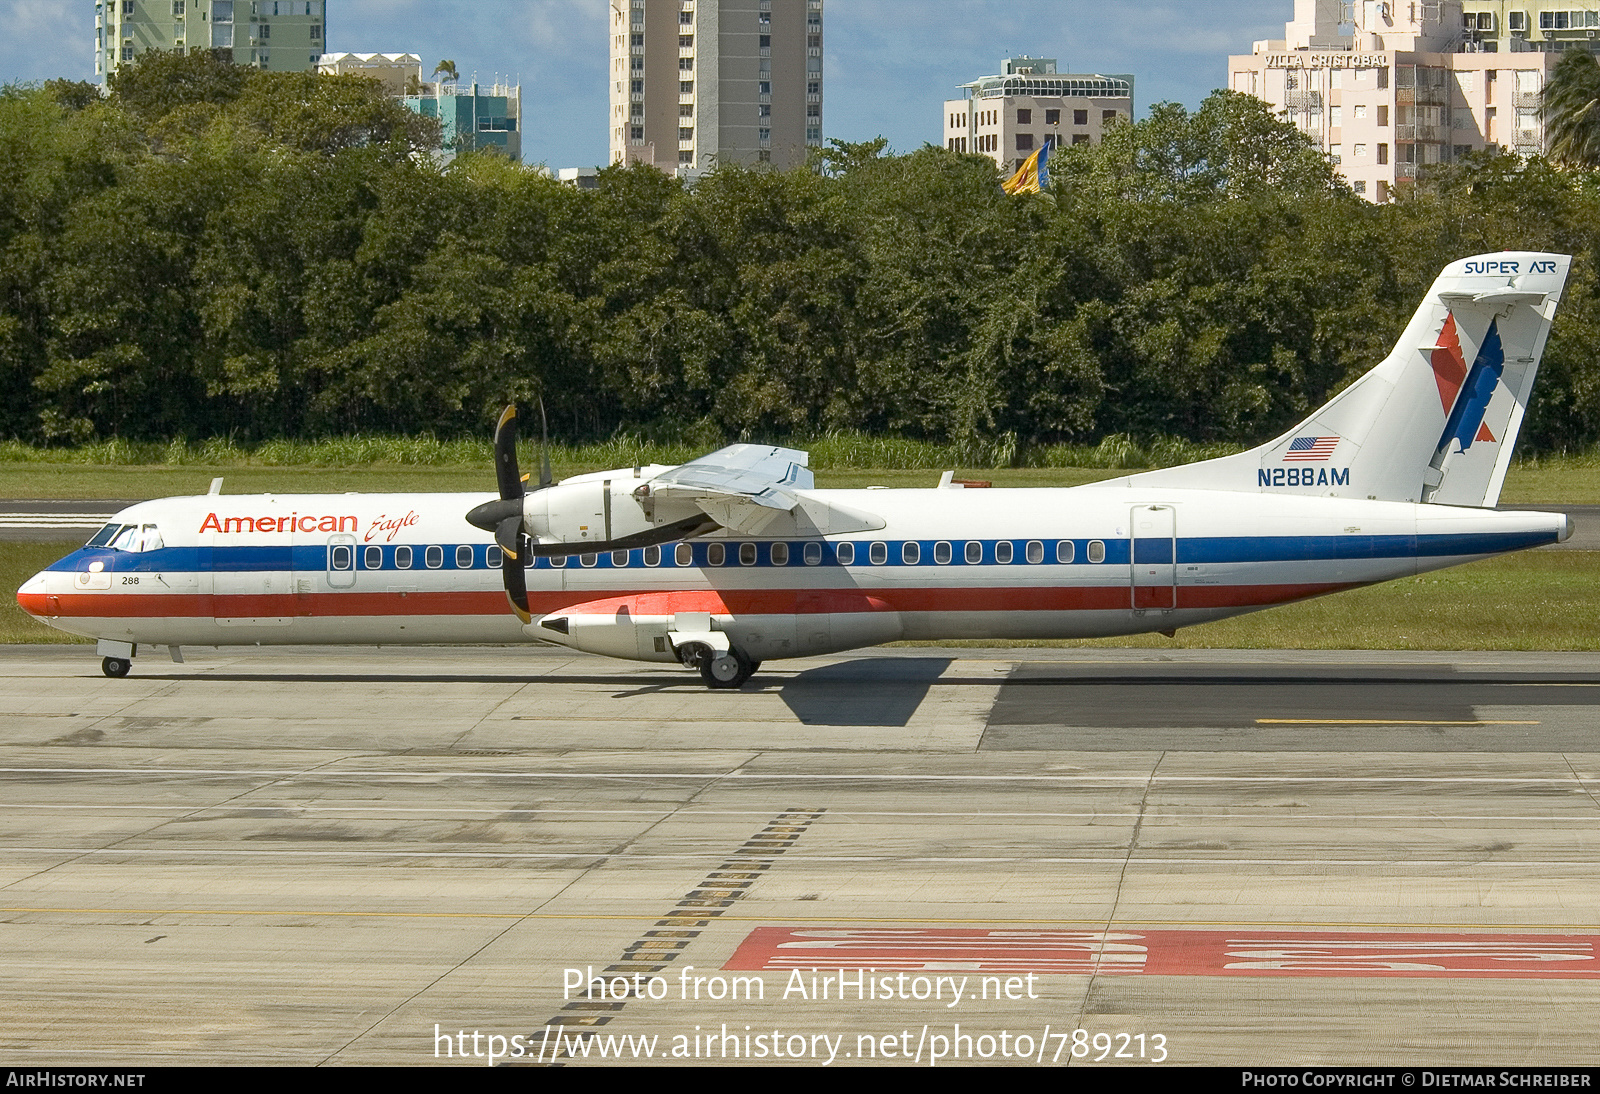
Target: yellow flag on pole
x,y
1034,174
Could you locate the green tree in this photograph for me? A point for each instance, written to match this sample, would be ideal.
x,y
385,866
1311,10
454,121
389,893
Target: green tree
x,y
1572,110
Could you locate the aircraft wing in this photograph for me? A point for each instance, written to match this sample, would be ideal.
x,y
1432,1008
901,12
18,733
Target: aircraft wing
x,y
749,487
743,486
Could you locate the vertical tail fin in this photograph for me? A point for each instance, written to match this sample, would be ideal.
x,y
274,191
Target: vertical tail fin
x,y
1437,420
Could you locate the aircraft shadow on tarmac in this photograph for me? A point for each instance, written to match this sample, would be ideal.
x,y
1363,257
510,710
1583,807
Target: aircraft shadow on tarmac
x,y
876,691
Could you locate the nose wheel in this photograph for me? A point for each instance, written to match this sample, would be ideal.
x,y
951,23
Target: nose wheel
x,y
727,670
115,667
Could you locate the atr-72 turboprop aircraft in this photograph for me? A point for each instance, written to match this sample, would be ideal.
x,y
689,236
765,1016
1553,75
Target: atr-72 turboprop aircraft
x,y
735,558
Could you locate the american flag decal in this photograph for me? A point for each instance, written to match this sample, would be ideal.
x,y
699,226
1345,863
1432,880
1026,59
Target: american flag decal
x,y
1311,448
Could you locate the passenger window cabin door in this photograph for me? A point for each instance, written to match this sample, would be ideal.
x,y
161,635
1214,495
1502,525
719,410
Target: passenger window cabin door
x,y
341,562
1154,557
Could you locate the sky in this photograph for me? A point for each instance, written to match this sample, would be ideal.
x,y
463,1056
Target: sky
x,y
889,65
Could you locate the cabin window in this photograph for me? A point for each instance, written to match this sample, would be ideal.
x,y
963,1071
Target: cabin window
x,y
558,562
1064,551
878,553
588,560
747,554
1002,552
619,558
683,554
974,553
846,554
716,554
652,556
941,553
911,552
494,557
402,558
780,554
1097,550
374,558
813,554
464,557
1035,551
341,557
434,557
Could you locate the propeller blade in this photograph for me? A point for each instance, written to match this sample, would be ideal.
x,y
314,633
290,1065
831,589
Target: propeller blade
x,y
544,447
508,534
505,455
511,568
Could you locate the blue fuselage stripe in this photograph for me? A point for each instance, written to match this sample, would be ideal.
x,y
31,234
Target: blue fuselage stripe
x,y
1195,550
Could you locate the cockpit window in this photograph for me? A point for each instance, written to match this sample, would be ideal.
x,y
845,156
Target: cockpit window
x,y
128,537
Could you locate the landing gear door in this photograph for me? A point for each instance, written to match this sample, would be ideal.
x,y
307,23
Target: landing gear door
x,y
1154,553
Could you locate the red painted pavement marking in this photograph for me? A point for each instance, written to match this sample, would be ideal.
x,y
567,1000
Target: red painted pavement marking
x,y
1172,952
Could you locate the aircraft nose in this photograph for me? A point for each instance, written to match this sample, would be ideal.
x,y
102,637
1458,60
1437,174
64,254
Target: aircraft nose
x,y
1567,528
30,597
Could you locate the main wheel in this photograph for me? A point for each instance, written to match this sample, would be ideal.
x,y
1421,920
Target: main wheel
x,y
726,670
116,667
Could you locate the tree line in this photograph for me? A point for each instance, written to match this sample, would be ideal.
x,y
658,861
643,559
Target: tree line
x,y
211,251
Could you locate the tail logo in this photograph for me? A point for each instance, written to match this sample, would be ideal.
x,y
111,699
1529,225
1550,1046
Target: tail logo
x,y
1449,366
1466,423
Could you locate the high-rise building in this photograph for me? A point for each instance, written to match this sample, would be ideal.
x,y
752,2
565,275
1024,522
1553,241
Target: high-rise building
x,y
1530,26
695,83
1009,115
277,35
1387,87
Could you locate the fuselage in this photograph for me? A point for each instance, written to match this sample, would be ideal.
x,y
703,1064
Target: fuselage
x,y
948,564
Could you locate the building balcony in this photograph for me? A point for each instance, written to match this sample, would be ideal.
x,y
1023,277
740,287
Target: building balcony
x,y
1405,170
686,51
813,98
1307,101
1426,134
1427,95
1527,100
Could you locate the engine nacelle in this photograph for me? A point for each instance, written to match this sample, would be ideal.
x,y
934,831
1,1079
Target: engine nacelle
x,y
587,511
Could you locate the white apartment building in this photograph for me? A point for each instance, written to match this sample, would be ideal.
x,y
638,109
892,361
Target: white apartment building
x,y
1386,87
1009,115
695,83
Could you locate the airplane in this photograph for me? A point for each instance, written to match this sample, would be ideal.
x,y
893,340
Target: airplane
x,y
736,558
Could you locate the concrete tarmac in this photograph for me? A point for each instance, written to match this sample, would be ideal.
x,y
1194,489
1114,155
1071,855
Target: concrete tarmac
x,y
1209,857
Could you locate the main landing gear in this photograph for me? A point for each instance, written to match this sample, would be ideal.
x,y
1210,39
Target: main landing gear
x,y
115,667
726,670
